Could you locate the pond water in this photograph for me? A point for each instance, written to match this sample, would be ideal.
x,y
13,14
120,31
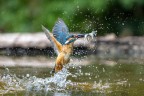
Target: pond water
x,y
104,78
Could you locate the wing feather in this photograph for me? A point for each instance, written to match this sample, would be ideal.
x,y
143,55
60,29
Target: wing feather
x,y
60,31
55,44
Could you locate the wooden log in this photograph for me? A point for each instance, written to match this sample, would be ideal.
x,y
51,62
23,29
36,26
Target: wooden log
x,y
31,40
104,46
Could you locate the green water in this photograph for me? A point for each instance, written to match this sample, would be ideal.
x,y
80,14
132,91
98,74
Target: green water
x,y
95,79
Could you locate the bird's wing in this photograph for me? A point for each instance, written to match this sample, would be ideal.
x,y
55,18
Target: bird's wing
x,y
60,31
55,44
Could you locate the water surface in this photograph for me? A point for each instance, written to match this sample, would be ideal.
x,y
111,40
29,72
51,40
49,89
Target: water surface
x,y
101,78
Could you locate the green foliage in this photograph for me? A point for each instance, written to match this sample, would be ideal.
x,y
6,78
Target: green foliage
x,y
106,16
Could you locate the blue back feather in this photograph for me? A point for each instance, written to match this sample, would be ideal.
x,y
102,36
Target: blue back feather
x,y
60,31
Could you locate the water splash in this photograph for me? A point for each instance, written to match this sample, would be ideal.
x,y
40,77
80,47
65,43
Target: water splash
x,y
11,84
57,82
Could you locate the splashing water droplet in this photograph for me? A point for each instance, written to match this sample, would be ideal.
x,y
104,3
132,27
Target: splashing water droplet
x,y
103,70
123,24
32,83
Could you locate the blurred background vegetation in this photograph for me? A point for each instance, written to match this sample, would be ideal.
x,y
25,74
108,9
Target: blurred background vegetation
x,y
122,17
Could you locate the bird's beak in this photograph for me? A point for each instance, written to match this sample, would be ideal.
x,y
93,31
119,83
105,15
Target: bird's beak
x,y
79,36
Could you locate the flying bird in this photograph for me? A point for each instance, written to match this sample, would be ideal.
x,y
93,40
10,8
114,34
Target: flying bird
x,y
62,43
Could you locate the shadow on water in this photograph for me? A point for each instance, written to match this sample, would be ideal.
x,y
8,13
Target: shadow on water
x,y
97,78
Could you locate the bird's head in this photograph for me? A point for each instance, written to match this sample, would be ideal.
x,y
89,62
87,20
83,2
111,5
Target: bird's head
x,y
73,38
70,40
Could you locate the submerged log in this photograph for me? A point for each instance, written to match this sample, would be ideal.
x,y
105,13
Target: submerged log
x,y
37,61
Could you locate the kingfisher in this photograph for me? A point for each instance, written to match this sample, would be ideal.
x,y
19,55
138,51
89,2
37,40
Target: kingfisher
x,y
62,42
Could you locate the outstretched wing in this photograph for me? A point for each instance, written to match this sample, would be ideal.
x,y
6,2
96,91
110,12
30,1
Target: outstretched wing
x,y
55,44
60,31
